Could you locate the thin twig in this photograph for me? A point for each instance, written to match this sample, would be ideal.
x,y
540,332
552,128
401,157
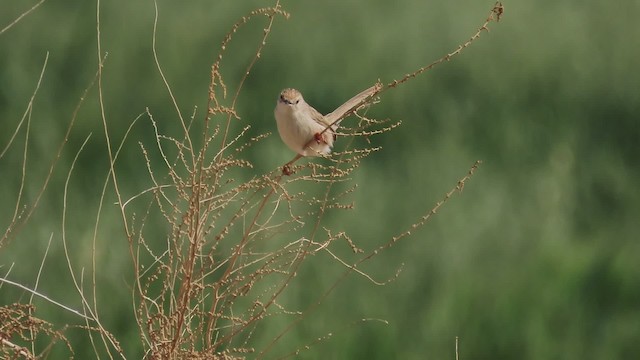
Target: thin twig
x,y
48,299
21,16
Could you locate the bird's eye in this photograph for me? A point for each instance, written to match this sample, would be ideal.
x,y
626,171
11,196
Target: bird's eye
x,y
297,101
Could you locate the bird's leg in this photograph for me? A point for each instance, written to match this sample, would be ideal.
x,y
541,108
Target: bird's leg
x,y
319,138
286,169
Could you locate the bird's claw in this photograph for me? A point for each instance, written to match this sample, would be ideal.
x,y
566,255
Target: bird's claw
x,y
286,170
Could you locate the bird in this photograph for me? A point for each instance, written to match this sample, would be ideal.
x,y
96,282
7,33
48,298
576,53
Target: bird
x,y
305,130
299,123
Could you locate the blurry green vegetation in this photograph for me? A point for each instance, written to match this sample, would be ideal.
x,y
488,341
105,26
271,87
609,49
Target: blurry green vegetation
x,y
538,259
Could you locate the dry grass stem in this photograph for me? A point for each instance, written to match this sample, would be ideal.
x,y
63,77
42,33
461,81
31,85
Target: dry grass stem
x,y
21,16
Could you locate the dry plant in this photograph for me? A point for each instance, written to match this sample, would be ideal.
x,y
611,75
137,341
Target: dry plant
x,y
214,245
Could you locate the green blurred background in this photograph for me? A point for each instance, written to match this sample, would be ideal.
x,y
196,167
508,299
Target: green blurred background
x,y
537,259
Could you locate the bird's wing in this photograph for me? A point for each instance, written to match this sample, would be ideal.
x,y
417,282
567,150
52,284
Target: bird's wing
x,y
317,117
351,105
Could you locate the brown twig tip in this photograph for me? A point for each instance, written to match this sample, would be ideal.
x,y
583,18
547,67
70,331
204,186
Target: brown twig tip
x,y
498,10
472,170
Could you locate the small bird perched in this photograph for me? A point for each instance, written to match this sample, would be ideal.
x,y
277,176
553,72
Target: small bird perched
x,y
299,124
